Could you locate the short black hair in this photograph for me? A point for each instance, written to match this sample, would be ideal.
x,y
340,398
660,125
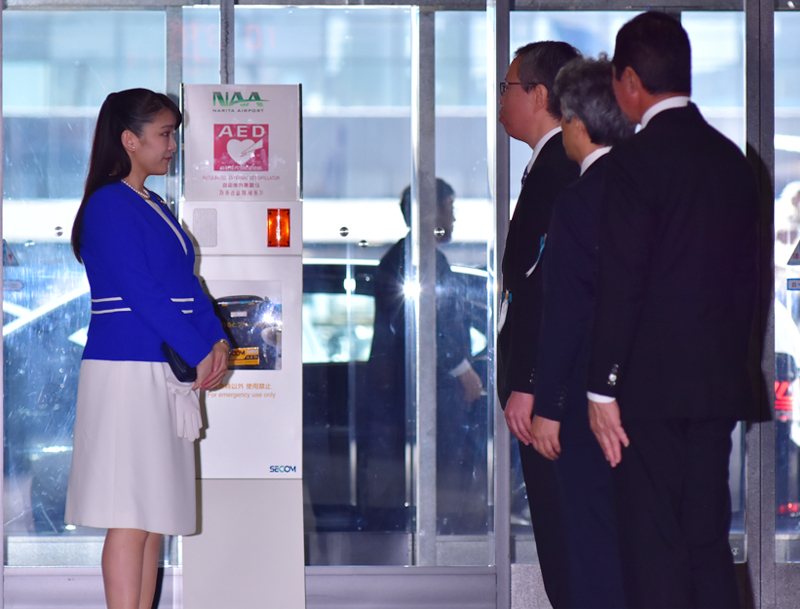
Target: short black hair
x,y
443,192
657,48
586,91
539,63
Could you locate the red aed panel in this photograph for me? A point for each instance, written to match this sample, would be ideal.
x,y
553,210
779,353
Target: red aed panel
x,y
241,147
278,228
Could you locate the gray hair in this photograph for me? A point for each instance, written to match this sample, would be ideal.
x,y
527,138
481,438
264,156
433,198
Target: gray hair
x,y
585,89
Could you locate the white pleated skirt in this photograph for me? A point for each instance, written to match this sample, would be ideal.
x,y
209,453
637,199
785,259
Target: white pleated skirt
x,y
129,467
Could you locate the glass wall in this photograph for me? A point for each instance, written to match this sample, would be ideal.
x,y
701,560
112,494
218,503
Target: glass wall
x,y
58,68
201,51
361,428
360,408
718,89
787,299
464,418
718,69
354,66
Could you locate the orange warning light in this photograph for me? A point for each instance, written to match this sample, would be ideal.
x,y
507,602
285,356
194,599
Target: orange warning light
x,y
278,228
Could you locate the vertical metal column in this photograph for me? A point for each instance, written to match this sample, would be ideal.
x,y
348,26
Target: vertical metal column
x,y
352,384
2,467
173,88
760,453
423,250
498,155
410,280
227,53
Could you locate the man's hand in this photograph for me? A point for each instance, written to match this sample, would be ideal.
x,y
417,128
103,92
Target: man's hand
x,y
544,433
472,385
605,422
519,410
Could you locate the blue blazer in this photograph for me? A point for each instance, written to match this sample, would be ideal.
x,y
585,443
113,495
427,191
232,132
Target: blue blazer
x,y
144,290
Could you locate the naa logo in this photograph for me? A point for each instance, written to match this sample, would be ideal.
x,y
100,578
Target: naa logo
x,y
237,99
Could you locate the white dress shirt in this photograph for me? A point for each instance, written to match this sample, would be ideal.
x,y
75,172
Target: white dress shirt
x,y
538,148
678,101
592,157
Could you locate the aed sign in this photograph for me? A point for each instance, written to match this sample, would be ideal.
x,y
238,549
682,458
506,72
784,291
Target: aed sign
x,y
241,147
242,144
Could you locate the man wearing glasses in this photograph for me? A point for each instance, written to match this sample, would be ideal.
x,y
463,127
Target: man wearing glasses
x,y
530,112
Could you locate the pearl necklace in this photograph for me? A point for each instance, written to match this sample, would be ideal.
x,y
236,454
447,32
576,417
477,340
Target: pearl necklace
x,y
145,195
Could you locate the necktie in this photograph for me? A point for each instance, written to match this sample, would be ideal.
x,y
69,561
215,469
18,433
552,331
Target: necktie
x,y
524,175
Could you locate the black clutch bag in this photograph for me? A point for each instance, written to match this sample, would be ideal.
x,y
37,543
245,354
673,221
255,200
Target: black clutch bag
x,y
182,371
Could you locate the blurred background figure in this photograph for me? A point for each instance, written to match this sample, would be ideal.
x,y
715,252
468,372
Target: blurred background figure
x,y
461,442
787,215
787,359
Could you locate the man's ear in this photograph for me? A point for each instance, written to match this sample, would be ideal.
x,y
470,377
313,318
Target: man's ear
x,y
541,97
631,81
582,128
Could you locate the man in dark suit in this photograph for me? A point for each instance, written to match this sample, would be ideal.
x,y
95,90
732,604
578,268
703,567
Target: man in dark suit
x,y
676,300
530,112
591,123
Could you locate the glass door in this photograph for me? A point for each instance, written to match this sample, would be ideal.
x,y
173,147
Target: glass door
x,y
354,66
784,431
58,67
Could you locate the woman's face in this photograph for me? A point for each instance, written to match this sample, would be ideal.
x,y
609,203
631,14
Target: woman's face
x,y
153,149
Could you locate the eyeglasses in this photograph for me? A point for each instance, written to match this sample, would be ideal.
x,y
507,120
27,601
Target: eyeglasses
x,y
505,85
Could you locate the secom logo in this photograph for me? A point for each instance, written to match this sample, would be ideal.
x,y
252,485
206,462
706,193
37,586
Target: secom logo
x,y
282,469
237,99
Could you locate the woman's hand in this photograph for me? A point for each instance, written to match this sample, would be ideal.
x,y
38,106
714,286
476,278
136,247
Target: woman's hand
x,y
213,368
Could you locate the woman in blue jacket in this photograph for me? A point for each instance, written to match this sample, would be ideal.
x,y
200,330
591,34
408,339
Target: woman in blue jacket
x,y
133,450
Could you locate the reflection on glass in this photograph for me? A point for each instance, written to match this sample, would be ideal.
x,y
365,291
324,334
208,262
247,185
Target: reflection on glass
x,y
461,441
336,327
787,297
201,51
57,69
254,326
465,409
354,65
718,69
